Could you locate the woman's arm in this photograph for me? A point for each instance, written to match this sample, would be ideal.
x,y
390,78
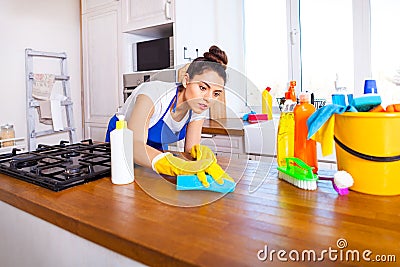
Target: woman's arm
x,y
193,134
139,124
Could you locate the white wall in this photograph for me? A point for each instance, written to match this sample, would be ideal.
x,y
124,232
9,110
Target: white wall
x,y
45,25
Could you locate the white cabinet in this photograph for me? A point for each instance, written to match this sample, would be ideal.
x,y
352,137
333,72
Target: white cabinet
x,y
139,14
102,78
200,24
194,28
92,5
225,145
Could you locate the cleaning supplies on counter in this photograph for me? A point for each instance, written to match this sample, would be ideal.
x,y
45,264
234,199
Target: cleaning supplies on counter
x,y
121,153
285,137
304,149
369,100
298,173
267,103
339,96
253,117
291,93
366,102
256,118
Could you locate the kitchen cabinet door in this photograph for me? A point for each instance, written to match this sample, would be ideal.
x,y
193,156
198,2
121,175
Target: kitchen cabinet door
x,y
102,78
139,14
195,28
229,144
92,5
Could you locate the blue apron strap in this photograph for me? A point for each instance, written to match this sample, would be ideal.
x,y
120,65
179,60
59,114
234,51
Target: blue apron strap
x,y
111,126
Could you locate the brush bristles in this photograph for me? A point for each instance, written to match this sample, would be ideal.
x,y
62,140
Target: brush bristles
x,y
307,185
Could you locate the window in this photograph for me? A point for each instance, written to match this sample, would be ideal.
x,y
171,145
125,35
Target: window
x,y
265,48
385,49
318,42
326,46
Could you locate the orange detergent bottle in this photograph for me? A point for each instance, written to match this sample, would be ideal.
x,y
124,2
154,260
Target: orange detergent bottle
x,y
304,149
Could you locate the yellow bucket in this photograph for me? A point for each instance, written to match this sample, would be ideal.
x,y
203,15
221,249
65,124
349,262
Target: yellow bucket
x,y
368,147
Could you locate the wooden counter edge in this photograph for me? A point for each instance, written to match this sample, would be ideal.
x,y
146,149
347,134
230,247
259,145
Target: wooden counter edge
x,y
133,250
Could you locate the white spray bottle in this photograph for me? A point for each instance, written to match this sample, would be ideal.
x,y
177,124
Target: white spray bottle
x,y
121,141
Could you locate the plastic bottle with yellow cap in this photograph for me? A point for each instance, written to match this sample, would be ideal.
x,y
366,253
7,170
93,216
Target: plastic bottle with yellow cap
x,y
121,141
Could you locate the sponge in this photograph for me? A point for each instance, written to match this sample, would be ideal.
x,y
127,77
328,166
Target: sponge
x,y
191,182
366,102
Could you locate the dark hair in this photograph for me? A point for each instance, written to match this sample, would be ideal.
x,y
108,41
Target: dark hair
x,y
215,59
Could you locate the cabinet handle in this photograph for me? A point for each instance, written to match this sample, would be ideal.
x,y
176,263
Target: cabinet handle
x,y
168,9
207,135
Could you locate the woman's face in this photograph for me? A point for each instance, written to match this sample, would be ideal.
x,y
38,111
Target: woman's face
x,y
202,90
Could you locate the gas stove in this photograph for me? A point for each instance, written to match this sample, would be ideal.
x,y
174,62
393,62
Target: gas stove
x,y
57,167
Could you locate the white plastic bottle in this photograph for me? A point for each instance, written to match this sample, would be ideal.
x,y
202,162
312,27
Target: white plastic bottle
x,y
121,141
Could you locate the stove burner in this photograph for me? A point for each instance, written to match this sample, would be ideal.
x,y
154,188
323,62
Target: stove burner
x,y
57,167
23,160
74,170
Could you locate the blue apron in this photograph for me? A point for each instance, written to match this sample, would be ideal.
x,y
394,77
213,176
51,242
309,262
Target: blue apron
x,y
159,135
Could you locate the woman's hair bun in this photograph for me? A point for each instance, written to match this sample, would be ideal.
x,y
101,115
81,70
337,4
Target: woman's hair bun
x,y
215,54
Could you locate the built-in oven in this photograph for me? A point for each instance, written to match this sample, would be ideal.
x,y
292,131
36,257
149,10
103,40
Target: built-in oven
x,y
134,79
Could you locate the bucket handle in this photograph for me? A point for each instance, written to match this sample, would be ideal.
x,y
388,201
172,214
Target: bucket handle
x,y
365,156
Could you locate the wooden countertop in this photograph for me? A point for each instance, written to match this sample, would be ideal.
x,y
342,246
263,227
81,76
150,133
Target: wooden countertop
x,y
135,220
230,126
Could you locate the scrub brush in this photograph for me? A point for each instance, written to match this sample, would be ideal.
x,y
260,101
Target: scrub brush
x,y
298,173
191,182
341,182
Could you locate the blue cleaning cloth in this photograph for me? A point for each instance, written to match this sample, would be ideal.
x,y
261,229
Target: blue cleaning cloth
x,y
322,115
191,182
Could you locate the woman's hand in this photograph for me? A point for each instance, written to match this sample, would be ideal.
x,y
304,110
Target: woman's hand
x,y
202,152
168,164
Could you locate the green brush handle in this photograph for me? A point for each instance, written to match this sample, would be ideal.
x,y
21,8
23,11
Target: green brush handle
x,y
300,167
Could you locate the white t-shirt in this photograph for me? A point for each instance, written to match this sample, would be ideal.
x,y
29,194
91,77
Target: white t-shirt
x,y
161,94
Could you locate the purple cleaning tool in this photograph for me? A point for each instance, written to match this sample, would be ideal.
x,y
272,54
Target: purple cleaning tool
x,y
341,182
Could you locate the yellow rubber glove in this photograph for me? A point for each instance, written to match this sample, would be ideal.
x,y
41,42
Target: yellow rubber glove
x,y
218,174
168,164
202,152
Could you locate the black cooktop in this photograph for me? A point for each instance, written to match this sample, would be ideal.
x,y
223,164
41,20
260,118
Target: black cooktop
x,y
58,167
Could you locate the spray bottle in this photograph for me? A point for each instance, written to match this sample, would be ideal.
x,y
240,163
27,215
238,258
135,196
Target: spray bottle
x,y
285,137
304,149
291,94
267,103
121,153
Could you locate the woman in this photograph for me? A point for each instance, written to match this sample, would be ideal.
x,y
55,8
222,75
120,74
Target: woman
x,y
161,113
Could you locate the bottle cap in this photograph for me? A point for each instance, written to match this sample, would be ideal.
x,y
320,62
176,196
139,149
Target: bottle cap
x,y
268,89
370,87
304,97
121,125
7,126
